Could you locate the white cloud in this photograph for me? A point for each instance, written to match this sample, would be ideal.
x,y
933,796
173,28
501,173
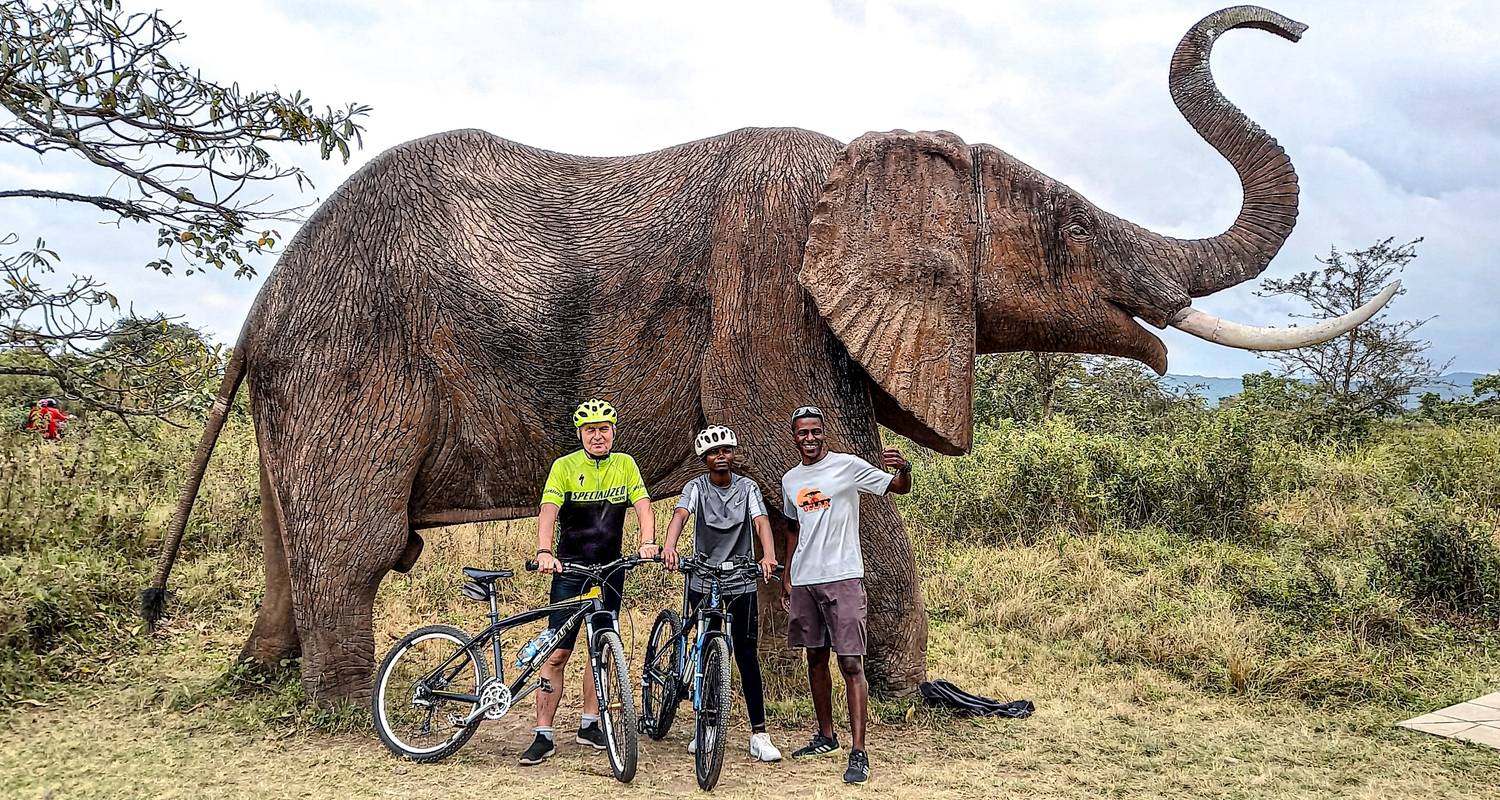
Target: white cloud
x,y
1386,108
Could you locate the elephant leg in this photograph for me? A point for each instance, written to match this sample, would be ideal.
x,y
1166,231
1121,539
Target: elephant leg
x,y
339,552
342,479
896,659
274,637
347,523
783,665
897,651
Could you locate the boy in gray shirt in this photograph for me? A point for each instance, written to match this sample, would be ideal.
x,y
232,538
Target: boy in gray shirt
x,y
729,512
824,587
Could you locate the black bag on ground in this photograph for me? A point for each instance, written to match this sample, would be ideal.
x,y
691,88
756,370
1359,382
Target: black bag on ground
x,y
943,694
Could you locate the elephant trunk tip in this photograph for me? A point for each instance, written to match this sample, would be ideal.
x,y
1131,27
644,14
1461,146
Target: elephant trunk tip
x,y
153,605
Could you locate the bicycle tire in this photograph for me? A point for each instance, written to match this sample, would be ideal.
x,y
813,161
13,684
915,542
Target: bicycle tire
x,y
616,704
713,713
660,684
382,710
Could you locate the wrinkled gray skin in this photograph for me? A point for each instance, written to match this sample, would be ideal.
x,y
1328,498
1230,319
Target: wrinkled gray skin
x,y
415,355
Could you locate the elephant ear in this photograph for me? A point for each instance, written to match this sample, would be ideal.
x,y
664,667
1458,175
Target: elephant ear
x,y
890,264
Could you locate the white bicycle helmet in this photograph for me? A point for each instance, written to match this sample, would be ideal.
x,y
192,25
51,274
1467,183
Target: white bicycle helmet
x,y
713,436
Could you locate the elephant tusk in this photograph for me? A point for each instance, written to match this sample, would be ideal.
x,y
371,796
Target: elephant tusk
x,y
1248,337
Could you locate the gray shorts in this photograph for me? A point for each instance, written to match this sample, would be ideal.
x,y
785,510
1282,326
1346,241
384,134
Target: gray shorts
x,y
829,615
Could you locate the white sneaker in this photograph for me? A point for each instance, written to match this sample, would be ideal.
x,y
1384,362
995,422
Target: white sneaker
x,y
693,743
762,749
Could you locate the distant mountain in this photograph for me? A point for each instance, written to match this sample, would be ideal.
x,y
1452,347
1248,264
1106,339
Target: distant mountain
x,y
1208,387
1462,385
1212,389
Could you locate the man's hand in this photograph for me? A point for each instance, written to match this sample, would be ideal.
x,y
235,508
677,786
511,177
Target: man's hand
x,y
891,458
767,567
670,559
786,595
649,550
547,564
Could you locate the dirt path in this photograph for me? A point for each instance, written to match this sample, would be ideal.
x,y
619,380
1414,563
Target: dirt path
x,y
60,753
102,747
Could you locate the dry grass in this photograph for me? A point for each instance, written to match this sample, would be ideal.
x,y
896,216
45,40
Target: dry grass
x,y
1098,732
1164,661
1086,628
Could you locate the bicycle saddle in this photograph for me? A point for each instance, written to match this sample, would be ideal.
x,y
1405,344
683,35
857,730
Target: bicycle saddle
x,y
486,575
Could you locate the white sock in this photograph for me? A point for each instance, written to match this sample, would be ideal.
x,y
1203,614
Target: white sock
x,y
547,732
587,720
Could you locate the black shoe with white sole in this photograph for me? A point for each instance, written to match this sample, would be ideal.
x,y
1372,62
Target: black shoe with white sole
x,y
592,734
819,746
540,750
859,767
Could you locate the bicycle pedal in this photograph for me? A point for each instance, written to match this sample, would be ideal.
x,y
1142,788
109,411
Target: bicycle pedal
x,y
545,686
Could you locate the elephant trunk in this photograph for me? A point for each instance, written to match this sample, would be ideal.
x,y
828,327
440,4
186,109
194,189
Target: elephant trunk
x,y
1269,209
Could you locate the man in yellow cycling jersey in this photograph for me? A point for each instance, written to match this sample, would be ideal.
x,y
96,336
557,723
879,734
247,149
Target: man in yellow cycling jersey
x,y
585,498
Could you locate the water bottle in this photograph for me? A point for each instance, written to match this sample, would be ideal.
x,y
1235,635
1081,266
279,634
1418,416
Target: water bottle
x,y
535,646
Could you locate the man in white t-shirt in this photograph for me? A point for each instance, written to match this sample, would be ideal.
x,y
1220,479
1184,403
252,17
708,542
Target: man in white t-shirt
x,y
824,587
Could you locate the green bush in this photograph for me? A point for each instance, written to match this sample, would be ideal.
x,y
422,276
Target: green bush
x,y
1441,557
1461,462
1015,482
81,522
1199,481
61,612
1021,479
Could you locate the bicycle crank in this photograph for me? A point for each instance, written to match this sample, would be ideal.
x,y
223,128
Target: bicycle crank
x,y
494,699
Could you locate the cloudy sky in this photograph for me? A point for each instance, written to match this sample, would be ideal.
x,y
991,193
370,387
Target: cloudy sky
x,y
1388,110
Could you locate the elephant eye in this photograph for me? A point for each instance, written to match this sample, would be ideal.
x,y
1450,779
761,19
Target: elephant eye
x,y
1079,230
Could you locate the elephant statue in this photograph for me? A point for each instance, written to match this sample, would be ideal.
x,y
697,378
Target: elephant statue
x,y
459,294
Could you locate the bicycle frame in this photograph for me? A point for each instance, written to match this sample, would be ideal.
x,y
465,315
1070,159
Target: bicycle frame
x,y
711,609
587,610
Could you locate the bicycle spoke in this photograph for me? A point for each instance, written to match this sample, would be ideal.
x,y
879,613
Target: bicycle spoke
x,y
416,721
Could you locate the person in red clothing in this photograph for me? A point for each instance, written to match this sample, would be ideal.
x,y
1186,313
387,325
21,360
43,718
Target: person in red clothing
x,y
46,417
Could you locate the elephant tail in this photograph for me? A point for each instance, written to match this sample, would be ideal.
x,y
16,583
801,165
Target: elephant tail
x,y
154,598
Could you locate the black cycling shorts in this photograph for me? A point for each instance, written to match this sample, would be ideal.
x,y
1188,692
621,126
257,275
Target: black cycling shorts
x,y
568,585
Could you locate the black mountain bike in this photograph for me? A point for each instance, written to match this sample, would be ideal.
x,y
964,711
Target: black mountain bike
x,y
675,669
433,688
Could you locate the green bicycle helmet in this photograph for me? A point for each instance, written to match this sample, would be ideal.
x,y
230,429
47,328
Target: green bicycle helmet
x,y
594,411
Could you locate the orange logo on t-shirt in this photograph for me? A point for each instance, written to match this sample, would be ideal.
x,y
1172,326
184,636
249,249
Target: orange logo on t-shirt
x,y
810,500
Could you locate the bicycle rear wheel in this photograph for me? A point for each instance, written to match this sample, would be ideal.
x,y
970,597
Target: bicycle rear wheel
x,y
713,713
411,723
616,706
660,684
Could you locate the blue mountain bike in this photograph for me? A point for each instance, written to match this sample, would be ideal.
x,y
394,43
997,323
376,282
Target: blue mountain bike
x,y
676,668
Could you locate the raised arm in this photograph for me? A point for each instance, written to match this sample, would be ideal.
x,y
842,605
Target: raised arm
x,y
891,458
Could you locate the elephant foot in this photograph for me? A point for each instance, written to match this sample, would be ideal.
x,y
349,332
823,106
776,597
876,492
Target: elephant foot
x,y
336,668
338,689
269,654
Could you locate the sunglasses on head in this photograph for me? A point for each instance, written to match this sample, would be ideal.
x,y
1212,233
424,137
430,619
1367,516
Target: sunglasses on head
x,y
807,411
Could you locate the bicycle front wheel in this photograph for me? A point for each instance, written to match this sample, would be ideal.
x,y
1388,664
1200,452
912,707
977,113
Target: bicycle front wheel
x,y
411,721
660,683
616,706
713,713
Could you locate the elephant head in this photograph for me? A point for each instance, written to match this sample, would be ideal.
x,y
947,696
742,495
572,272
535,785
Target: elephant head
x,y
923,251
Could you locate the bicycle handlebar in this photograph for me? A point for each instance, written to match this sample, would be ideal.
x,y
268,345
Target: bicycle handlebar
x,y
600,570
724,569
